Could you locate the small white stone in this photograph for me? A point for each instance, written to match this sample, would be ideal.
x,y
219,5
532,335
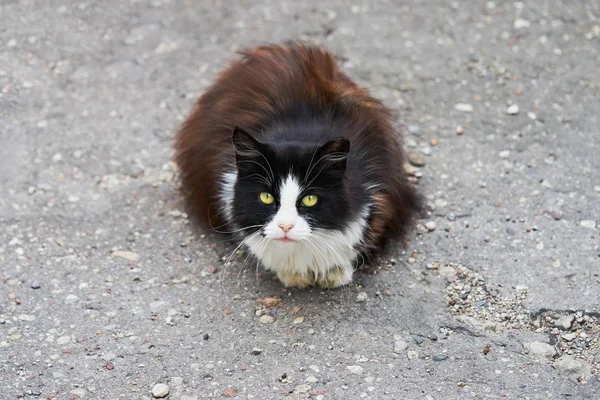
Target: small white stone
x,y
25,317
302,389
540,350
160,390
521,23
79,392
564,322
267,319
362,296
513,109
447,272
63,339
400,346
355,369
430,225
312,379
73,199
11,43
440,203
128,255
57,157
412,355
463,107
588,223
71,298
504,154
531,115
426,150
569,336
573,367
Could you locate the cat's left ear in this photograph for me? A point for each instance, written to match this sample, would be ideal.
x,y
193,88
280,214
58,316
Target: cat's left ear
x,y
245,146
335,152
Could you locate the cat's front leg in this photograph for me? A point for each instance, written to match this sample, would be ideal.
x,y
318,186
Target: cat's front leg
x,y
336,277
293,279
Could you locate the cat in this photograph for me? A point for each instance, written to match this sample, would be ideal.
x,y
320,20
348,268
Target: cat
x,y
298,161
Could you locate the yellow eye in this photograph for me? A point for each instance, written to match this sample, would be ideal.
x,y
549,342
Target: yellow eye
x,y
309,201
267,198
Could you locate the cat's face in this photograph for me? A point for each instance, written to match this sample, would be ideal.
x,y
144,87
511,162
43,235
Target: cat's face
x,y
287,194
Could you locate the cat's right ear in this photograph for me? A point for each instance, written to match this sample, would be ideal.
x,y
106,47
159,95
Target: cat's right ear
x,y
245,146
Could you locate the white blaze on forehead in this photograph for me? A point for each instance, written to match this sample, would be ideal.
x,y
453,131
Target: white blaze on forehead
x,y
287,214
290,190
288,196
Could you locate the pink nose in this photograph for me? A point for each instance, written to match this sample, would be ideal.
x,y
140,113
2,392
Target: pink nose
x,y
286,227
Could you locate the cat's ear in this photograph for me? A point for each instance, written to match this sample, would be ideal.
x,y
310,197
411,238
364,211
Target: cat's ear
x,y
245,146
335,152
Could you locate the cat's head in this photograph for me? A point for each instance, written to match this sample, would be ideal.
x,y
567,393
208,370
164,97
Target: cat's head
x,y
287,192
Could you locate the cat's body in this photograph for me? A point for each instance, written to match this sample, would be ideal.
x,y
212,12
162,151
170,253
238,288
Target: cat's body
x,y
286,151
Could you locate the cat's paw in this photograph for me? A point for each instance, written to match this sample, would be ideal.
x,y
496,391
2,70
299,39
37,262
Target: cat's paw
x,y
335,278
296,280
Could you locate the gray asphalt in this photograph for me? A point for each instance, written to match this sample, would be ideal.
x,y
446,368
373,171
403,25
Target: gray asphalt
x,y
91,93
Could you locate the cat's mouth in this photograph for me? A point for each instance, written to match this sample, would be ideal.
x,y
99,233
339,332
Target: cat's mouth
x,y
285,239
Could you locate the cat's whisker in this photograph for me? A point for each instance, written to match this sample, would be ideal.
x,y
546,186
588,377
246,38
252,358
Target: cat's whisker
x,y
241,229
227,263
311,160
334,235
244,263
260,165
329,155
261,178
313,251
262,252
269,165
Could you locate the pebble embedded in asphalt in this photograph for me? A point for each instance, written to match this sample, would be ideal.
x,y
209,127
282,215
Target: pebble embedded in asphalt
x,y
512,109
416,159
564,322
430,225
355,369
414,129
573,367
267,319
588,223
539,350
361,297
463,107
400,346
160,390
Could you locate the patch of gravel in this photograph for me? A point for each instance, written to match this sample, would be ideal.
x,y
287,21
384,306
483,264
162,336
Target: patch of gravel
x,y
475,303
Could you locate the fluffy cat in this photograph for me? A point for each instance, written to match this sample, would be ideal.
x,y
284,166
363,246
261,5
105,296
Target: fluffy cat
x,y
299,162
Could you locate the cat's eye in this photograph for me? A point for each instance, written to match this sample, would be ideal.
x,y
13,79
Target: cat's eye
x,y
309,200
266,198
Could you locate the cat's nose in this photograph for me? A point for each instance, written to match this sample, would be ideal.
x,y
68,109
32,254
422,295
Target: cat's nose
x,y
285,227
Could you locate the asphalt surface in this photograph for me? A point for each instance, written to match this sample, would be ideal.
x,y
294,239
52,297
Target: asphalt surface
x,y
91,93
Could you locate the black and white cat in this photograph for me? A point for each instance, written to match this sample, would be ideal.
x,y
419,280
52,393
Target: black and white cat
x,y
301,163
